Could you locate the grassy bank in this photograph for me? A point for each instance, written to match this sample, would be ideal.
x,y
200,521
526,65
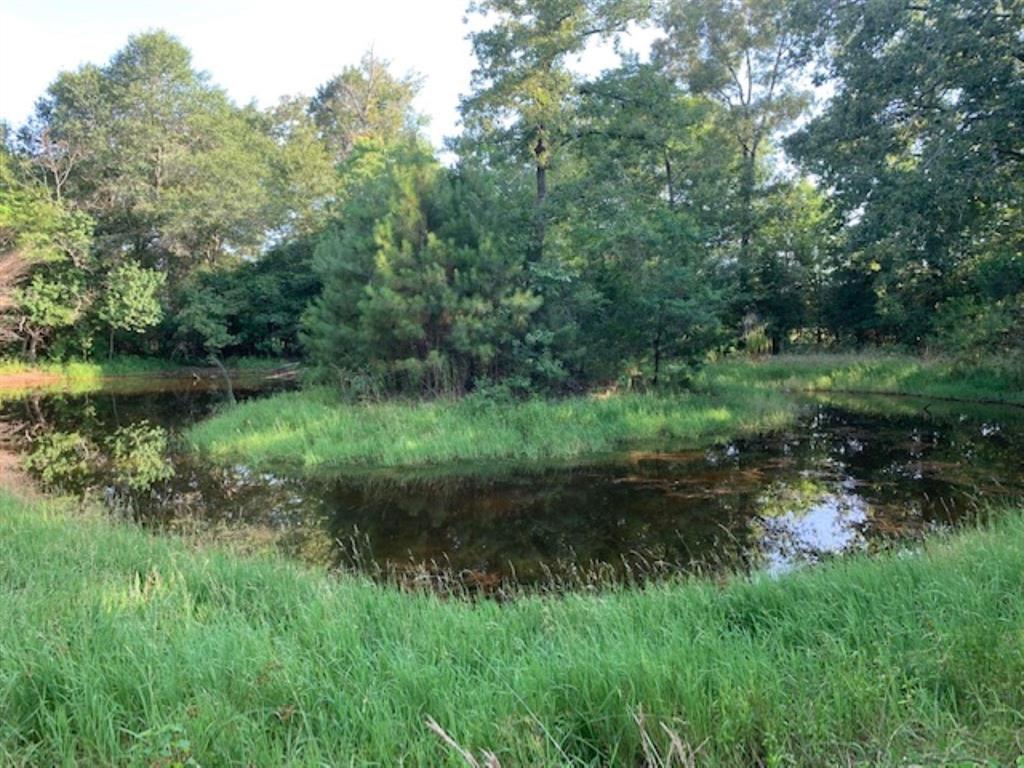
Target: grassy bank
x,y
121,648
313,429
81,370
122,366
883,374
79,377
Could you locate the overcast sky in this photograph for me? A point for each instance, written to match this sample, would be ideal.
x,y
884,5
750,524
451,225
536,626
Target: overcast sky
x,y
255,49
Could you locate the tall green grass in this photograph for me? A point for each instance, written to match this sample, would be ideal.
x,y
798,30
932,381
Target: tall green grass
x,y
878,373
119,648
314,429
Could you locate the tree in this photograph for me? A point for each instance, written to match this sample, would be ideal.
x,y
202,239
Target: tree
x,y
744,55
416,294
365,102
304,182
131,301
522,87
921,148
649,164
254,308
206,306
272,294
44,261
791,264
172,173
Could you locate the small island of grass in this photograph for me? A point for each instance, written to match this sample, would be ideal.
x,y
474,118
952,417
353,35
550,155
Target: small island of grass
x,y
314,429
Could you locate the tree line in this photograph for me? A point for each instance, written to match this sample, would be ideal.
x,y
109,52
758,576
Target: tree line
x,y
776,173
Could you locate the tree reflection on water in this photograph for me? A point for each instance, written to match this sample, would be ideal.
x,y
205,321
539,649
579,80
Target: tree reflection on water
x,y
853,475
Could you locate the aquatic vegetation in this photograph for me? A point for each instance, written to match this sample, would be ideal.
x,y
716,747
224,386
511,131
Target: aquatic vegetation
x,y
314,428
116,645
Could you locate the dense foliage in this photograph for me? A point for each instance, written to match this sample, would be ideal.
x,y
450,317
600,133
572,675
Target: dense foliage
x,y
589,230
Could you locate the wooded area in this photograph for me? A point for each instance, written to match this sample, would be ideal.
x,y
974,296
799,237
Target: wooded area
x,y
779,173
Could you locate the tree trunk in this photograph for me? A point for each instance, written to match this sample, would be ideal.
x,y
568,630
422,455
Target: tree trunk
x,y
657,360
540,152
110,352
657,355
747,207
542,185
227,378
668,181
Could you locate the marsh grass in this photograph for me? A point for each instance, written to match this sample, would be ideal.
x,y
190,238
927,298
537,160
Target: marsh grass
x,y
316,430
313,429
122,648
986,381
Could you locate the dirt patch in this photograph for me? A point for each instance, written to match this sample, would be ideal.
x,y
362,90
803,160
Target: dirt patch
x,y
30,379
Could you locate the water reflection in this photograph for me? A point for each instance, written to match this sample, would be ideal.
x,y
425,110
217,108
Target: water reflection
x,y
855,474
825,523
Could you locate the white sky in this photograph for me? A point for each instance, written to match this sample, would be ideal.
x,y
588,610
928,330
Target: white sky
x,y
255,49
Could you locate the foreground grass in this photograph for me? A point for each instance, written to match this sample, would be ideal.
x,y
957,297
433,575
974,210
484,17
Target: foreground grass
x,y
121,648
883,374
313,429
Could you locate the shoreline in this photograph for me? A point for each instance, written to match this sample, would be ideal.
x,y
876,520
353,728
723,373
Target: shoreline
x,y
42,379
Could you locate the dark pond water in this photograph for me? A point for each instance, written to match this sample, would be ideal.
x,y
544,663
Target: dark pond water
x,y
854,474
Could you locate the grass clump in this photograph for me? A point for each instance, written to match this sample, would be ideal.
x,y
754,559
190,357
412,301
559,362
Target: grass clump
x,y
122,648
877,373
315,429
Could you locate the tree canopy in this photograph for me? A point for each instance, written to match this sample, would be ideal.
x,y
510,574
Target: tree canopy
x,y
775,173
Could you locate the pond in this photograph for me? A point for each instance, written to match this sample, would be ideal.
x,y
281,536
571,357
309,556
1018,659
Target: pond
x,y
855,473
